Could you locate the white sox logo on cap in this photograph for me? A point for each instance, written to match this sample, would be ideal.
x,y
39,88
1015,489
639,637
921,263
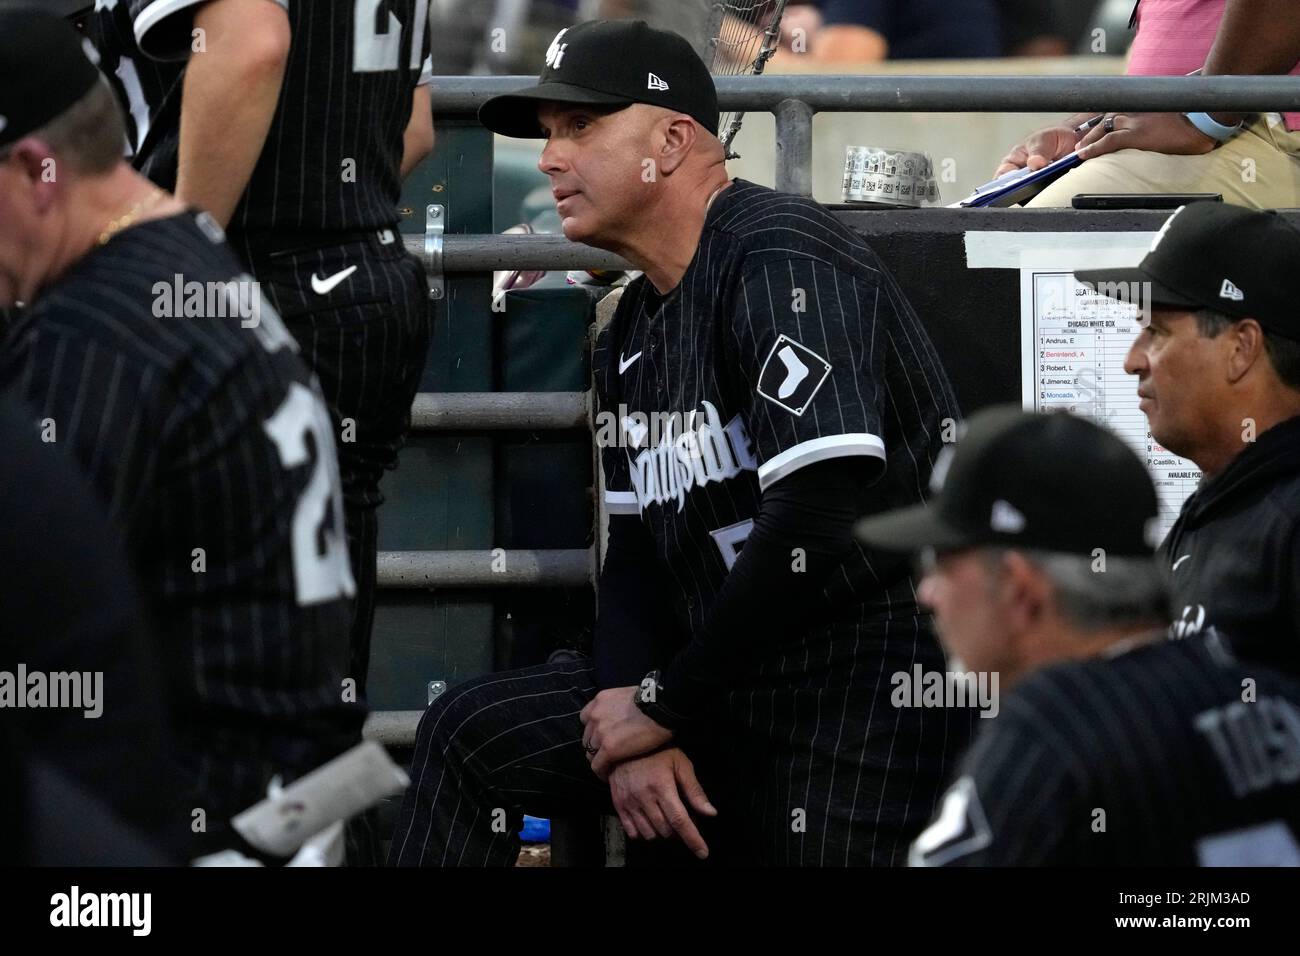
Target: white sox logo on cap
x,y
1164,230
555,52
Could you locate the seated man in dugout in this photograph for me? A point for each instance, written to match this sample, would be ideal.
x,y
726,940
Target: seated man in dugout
x,y
739,698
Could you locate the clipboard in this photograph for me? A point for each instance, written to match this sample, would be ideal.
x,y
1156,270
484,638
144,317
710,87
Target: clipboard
x,y
1019,185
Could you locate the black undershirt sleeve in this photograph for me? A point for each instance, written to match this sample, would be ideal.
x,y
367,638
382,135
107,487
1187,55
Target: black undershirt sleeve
x,y
768,592
634,632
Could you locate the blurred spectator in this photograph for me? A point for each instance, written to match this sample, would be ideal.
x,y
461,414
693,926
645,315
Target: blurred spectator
x,y
866,31
1252,160
474,37
1044,27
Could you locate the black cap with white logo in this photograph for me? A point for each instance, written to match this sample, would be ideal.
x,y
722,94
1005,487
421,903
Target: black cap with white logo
x,y
44,69
1216,256
1051,482
610,64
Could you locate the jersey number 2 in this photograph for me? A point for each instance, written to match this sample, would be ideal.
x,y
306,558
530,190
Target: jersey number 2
x,y
320,552
376,50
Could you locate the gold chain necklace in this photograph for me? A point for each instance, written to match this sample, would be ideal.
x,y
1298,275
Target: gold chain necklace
x,y
115,226
709,204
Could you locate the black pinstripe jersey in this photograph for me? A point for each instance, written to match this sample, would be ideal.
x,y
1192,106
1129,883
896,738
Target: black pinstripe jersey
x,y
785,343
333,154
1173,753
181,393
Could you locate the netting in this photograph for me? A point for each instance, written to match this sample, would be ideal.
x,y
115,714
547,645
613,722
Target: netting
x,y
742,36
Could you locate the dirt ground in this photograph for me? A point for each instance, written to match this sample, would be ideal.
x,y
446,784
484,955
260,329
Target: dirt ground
x,y
534,854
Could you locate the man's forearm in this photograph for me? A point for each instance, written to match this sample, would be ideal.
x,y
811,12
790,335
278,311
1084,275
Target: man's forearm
x,y
1256,37
417,141
230,96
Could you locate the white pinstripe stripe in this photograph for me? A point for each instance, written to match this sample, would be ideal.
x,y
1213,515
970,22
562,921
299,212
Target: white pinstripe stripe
x,y
78,404
812,759
898,718
461,857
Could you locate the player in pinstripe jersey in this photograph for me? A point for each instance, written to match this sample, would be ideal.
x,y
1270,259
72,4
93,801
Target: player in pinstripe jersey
x,y
293,123
762,384
1112,745
146,352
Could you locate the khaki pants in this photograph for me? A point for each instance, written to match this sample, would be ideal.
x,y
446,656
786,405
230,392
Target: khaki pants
x,y
1259,168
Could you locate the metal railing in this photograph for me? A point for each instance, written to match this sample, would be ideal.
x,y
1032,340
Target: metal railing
x,y
793,101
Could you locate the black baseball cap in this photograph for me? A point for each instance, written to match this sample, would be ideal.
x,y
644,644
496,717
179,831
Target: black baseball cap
x,y
1218,256
610,64
1047,481
44,70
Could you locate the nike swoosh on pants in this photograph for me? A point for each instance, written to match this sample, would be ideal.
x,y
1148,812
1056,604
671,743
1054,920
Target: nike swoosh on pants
x,y
325,286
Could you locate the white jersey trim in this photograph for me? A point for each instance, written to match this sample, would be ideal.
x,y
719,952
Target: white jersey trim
x,y
815,450
155,13
622,503
160,10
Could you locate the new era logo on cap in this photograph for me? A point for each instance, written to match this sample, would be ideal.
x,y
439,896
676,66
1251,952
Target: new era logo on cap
x,y
1230,291
1006,518
655,83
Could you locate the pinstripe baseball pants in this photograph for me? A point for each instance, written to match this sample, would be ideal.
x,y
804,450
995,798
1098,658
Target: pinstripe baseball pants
x,y
366,338
808,763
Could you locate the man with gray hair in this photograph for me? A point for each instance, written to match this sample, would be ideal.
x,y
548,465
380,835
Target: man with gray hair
x,y
1113,745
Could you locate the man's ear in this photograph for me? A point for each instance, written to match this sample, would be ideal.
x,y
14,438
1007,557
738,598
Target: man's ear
x,y
1245,342
679,139
42,171
1023,592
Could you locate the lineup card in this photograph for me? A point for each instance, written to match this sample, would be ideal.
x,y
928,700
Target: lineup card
x,y
1073,344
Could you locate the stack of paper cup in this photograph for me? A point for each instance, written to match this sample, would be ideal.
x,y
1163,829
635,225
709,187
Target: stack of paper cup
x,y
888,177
